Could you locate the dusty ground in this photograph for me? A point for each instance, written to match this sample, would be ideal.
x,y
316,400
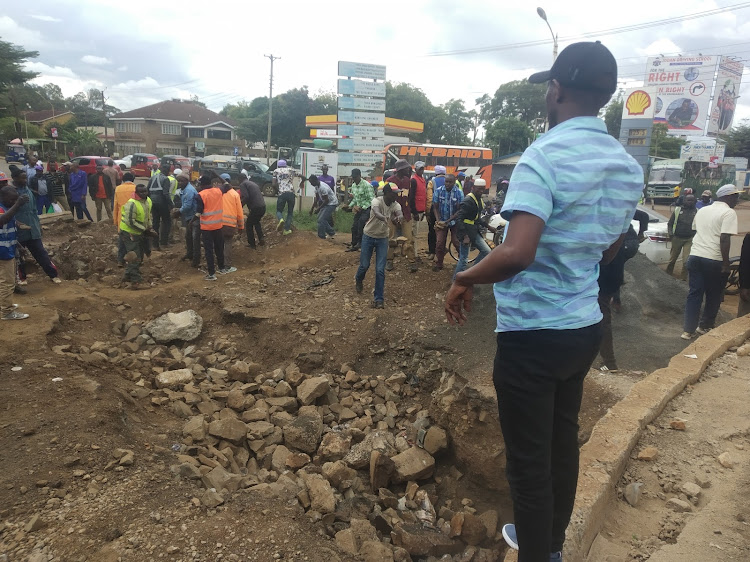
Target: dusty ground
x,y
57,437
711,522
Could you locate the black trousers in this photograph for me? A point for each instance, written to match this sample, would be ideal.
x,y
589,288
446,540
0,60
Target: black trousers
x,y
358,225
193,241
36,248
161,218
431,235
213,243
253,226
538,376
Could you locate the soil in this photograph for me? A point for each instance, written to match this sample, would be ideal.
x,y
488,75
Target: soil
x,y
62,418
716,525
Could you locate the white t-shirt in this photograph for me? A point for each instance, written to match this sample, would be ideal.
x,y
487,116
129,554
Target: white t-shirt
x,y
709,224
375,228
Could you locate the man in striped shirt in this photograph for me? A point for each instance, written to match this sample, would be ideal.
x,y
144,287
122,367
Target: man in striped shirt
x,y
569,205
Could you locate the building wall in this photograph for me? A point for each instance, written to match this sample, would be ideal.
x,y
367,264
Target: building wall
x,y
150,139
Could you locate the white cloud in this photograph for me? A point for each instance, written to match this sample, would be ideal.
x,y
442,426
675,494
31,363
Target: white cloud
x,y
122,69
42,17
50,71
93,59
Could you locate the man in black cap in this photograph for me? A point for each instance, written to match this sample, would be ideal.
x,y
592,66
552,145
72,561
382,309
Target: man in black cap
x,y
402,180
568,207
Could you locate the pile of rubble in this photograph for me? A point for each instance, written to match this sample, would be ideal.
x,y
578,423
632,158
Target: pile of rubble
x,y
357,452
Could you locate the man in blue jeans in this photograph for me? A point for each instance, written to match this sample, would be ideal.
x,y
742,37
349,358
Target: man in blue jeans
x,y
708,264
282,181
568,207
327,203
468,220
383,211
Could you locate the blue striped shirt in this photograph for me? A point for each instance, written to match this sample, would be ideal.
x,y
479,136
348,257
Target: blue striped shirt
x,y
584,186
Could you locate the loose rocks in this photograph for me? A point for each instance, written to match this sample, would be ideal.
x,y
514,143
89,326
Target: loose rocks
x,y
185,326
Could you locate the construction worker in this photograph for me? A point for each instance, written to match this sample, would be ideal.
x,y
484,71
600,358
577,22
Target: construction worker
x,y
210,208
123,193
402,180
234,219
159,189
135,228
468,220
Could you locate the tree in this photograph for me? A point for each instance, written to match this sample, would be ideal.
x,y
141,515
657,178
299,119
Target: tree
x,y
613,116
738,140
519,99
662,144
509,135
457,124
82,141
12,58
196,100
404,101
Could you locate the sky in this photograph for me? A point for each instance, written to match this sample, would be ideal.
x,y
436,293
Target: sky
x,y
141,52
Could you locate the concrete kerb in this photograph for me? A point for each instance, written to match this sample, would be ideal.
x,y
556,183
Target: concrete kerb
x,y
604,456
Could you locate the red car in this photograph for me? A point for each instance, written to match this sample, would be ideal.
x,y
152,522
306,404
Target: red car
x,y
89,163
176,161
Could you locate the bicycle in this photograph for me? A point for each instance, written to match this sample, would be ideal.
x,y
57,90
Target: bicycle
x,y
732,286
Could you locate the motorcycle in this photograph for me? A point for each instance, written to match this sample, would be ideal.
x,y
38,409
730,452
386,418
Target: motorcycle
x,y
491,215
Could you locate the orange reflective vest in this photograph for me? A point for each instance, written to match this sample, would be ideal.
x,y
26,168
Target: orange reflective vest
x,y
232,205
213,209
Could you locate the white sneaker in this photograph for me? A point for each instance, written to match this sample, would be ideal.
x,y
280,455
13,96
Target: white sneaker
x,y
56,280
686,336
702,331
14,315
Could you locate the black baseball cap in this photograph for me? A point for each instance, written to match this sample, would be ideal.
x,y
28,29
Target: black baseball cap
x,y
584,66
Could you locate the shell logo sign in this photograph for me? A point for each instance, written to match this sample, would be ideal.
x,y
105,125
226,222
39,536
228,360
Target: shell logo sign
x,y
637,103
640,103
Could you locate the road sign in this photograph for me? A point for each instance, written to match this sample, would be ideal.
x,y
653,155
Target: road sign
x,y
362,144
359,158
362,70
53,131
200,145
236,150
361,88
362,117
361,131
346,170
367,104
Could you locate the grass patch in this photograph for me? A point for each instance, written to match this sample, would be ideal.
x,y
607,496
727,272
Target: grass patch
x,y
342,221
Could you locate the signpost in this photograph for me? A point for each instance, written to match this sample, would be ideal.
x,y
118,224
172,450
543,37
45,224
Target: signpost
x,y
637,122
361,107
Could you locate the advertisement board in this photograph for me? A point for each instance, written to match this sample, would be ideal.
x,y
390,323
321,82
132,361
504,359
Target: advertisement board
x,y
361,88
728,80
683,91
362,70
702,150
367,104
311,162
639,103
361,117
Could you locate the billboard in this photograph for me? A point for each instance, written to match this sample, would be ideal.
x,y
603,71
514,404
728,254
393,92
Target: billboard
x,y
639,103
702,150
683,90
727,91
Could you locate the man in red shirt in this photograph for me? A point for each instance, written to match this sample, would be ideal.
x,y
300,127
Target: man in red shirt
x,y
402,180
101,191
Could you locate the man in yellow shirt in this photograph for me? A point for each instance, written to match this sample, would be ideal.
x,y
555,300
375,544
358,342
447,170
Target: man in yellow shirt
x,y
123,193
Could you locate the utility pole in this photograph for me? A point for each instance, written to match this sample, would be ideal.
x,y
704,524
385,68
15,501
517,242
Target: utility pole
x,y
270,109
104,112
14,101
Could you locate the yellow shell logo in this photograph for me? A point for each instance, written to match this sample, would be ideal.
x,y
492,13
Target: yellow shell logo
x,y
638,102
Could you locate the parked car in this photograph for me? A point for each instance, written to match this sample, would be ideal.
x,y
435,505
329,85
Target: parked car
x,y
125,162
176,161
141,164
656,246
89,163
15,153
228,165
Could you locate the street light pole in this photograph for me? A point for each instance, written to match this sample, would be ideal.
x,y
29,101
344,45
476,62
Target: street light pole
x,y
543,15
270,109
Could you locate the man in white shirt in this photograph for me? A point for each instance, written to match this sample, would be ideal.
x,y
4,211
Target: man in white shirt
x,y
384,210
708,264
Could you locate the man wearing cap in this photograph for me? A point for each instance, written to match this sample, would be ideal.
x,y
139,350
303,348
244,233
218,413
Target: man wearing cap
x,y
445,203
500,192
468,220
705,200
460,179
282,181
708,264
159,191
681,233
384,211
362,196
570,202
438,180
402,180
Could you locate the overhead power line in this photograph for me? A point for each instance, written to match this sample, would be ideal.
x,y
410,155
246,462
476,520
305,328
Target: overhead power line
x,y
603,32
